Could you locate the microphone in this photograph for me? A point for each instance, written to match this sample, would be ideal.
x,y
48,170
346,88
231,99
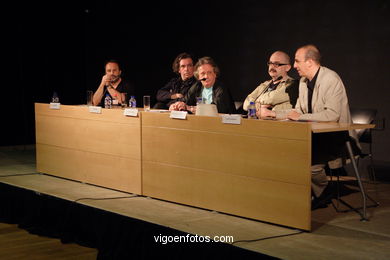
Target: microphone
x,y
279,78
272,85
265,89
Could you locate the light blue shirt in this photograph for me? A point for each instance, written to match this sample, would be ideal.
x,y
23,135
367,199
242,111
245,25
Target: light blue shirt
x,y
207,95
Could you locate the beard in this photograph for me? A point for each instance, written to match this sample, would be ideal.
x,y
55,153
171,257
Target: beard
x,y
114,78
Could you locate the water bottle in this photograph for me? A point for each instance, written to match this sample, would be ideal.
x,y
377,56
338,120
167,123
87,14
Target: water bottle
x,y
199,100
252,110
107,101
132,102
55,98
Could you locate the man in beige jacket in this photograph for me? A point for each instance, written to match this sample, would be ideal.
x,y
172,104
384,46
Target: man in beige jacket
x,y
322,97
275,94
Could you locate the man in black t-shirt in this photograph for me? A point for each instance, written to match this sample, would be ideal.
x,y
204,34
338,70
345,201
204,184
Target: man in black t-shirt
x,y
113,84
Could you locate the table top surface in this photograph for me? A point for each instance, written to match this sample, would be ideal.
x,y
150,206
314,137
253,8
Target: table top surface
x,y
316,127
322,127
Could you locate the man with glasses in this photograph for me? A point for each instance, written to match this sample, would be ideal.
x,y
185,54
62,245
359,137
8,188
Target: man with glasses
x,y
279,93
176,89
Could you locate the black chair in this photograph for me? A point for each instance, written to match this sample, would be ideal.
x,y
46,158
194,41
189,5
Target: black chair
x,y
359,116
366,116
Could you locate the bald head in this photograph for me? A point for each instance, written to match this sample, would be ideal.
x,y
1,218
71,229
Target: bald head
x,y
311,52
307,61
281,56
278,65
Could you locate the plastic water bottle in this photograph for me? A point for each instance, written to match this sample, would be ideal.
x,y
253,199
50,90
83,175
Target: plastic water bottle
x,y
252,110
199,100
107,102
55,98
132,102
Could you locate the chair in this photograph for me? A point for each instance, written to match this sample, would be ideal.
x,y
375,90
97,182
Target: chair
x,y
365,116
359,116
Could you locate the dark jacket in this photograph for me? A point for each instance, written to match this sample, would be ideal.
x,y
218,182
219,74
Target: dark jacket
x,y
175,85
221,97
293,92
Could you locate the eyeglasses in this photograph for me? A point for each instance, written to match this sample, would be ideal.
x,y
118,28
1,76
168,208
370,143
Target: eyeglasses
x,y
276,64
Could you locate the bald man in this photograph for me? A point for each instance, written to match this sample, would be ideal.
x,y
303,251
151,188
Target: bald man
x,y
322,95
323,98
279,93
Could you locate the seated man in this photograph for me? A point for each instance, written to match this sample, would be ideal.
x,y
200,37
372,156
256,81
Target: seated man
x,y
209,88
322,97
279,93
112,84
176,89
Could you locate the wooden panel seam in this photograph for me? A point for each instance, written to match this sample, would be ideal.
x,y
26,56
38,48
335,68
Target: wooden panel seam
x,y
222,173
87,151
224,133
89,119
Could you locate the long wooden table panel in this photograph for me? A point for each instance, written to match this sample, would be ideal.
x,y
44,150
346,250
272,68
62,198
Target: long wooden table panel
x,y
259,169
102,149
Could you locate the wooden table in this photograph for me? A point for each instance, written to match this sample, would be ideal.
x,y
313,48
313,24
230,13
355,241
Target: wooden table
x,y
259,169
101,149
325,127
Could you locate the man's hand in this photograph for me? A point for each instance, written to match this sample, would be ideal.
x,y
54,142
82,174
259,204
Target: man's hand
x,y
192,109
293,115
176,96
263,111
178,106
106,80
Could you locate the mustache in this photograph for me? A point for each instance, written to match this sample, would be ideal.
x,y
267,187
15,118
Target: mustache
x,y
272,70
114,78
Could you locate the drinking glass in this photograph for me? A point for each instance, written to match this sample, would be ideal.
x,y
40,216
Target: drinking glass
x,y
125,100
89,97
146,103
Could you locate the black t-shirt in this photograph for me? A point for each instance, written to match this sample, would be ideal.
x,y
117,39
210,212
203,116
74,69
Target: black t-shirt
x,y
123,87
310,87
293,92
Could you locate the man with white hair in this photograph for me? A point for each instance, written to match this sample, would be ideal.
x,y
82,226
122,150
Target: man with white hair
x,y
209,88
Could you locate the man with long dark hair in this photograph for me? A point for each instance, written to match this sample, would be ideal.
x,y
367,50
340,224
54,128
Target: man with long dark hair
x,y
176,89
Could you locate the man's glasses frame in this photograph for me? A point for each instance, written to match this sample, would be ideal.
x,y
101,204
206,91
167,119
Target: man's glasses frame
x,y
276,64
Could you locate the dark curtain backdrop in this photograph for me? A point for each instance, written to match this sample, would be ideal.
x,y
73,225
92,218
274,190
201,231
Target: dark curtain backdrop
x,y
62,47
